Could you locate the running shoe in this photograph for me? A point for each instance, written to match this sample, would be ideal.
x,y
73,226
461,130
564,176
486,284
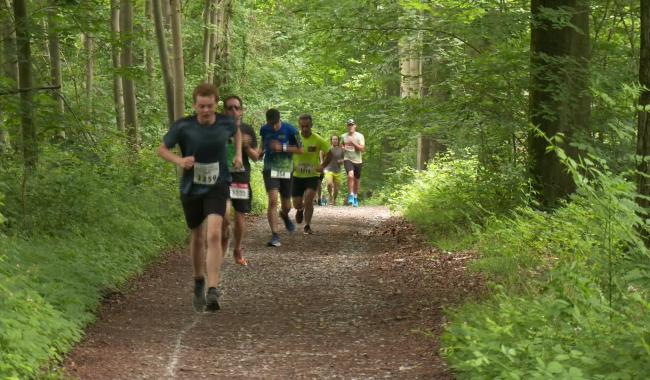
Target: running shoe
x,y
275,241
198,298
287,222
300,215
238,254
212,300
307,230
350,200
356,202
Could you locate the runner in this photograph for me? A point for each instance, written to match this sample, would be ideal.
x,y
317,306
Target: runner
x,y
333,170
306,171
241,193
353,146
204,185
279,142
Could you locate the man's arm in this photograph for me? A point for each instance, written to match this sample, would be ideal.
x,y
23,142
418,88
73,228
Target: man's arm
x,y
169,156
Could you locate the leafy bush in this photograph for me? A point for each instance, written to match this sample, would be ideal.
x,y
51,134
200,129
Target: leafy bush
x,y
574,300
85,222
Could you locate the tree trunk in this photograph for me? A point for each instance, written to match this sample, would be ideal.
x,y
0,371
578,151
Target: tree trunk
x,y
130,111
29,142
179,71
9,54
216,43
164,58
207,34
90,71
118,91
55,58
225,56
643,132
559,93
148,50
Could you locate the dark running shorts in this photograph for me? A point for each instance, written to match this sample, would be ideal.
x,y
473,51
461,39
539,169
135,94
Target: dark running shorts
x,y
197,208
301,184
349,166
280,184
244,205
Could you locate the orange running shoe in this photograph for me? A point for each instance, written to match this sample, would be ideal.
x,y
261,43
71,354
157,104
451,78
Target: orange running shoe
x,y
238,254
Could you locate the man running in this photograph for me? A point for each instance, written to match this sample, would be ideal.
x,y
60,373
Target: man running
x,y
333,170
279,142
204,185
306,171
353,146
241,193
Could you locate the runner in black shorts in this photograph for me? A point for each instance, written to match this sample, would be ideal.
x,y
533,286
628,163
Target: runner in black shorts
x,y
204,185
241,193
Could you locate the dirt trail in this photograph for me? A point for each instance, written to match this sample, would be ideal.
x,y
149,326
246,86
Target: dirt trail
x,y
360,299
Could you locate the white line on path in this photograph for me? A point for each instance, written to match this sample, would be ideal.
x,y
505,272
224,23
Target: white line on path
x,y
171,367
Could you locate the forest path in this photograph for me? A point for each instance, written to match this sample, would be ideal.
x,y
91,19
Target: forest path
x,y
362,298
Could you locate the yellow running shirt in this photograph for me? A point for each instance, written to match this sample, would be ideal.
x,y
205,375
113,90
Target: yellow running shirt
x,y
305,165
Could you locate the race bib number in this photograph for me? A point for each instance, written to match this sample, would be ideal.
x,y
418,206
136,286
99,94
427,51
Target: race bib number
x,y
304,169
239,191
206,174
280,173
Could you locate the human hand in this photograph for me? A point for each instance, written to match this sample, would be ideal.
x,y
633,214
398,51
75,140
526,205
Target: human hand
x,y
186,162
275,145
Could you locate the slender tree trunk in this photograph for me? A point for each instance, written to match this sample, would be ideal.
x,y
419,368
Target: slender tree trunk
x,y
55,58
179,71
207,33
9,58
90,70
164,59
214,40
130,111
167,21
118,91
643,132
559,93
148,50
29,142
225,56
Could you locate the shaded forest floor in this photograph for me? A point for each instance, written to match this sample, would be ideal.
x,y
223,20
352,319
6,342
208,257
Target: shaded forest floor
x,y
362,298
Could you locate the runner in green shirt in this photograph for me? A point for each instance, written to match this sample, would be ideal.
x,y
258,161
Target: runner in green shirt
x,y
306,171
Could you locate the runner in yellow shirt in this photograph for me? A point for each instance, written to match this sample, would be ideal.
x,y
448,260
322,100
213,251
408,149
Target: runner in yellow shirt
x,y
306,171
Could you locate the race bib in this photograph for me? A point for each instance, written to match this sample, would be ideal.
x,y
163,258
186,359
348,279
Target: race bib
x,y
282,168
304,169
280,173
239,191
206,174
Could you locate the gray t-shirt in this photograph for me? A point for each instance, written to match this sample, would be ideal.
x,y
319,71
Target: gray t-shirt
x,y
337,159
207,143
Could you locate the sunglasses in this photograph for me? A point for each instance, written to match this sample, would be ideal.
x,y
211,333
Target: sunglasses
x,y
233,107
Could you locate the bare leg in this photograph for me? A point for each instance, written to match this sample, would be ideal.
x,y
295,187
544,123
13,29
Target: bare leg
x,y
240,229
298,203
309,204
225,229
286,206
272,210
214,253
197,250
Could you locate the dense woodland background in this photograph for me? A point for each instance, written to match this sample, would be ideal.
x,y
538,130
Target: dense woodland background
x,y
515,129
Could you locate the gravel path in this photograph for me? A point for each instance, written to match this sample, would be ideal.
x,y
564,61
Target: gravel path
x,y
360,299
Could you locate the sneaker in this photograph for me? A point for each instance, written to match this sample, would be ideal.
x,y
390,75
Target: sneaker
x,y
307,230
212,300
287,222
350,200
198,298
238,254
356,202
300,215
275,241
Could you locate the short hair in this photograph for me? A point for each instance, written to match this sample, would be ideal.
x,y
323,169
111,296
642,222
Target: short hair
x,y
205,89
230,97
272,116
332,138
305,116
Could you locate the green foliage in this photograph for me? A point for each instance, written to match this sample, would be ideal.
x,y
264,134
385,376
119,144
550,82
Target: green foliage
x,y
58,257
453,194
574,296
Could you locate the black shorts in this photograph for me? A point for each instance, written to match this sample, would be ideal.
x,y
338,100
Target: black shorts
x,y
349,166
197,207
301,184
244,205
283,185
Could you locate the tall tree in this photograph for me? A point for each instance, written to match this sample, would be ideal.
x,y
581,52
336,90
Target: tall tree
x,y
29,142
643,131
118,91
130,110
179,70
9,68
208,11
559,91
148,47
55,57
90,70
164,58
